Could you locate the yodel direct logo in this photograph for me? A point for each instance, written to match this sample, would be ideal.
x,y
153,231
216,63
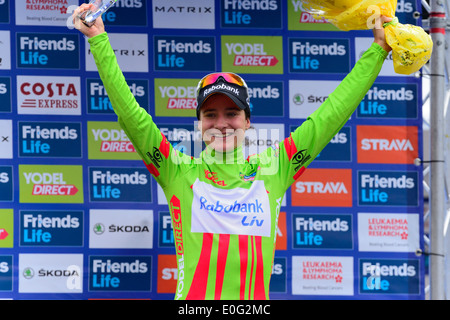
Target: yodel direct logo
x,y
51,184
120,273
40,50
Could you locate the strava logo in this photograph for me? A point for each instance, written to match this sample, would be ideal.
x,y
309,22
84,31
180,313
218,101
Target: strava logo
x,y
387,144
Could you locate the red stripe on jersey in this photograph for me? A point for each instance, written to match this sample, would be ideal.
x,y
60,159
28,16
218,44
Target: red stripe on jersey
x,y
299,173
197,290
251,270
260,292
152,169
290,146
243,255
224,241
164,147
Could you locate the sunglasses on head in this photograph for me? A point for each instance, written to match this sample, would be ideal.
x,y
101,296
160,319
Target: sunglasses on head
x,y
226,76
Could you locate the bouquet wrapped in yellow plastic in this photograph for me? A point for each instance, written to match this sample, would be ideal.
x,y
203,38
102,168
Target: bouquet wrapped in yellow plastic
x,y
411,45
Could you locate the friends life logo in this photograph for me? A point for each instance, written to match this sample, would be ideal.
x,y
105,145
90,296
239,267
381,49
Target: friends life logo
x,y
5,93
174,53
312,55
98,101
251,14
119,185
51,228
50,139
44,50
6,273
388,188
386,101
389,276
322,231
120,273
6,183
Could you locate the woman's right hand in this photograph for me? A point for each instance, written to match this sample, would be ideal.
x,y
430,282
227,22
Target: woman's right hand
x,y
97,28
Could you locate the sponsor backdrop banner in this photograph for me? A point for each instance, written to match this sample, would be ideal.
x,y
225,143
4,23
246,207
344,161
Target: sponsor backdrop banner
x,y
82,218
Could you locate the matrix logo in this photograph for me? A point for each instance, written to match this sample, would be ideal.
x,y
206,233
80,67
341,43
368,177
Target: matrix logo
x,y
183,14
387,188
184,53
389,276
44,50
120,273
6,229
51,228
51,184
387,144
6,273
321,231
252,54
251,14
50,139
6,183
323,188
5,94
178,100
310,55
6,139
98,101
106,140
391,100
119,185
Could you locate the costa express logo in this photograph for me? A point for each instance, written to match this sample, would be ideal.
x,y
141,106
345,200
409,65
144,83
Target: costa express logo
x,y
51,184
184,53
119,185
6,183
120,273
251,14
307,55
48,95
51,228
391,100
44,50
389,276
98,101
321,231
387,144
49,139
387,188
178,100
301,20
106,140
323,188
252,54
5,94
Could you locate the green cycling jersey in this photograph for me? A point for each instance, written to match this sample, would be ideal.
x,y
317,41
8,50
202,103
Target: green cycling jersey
x,y
225,209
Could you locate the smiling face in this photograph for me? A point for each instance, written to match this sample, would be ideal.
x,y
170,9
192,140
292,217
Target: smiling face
x,y
222,123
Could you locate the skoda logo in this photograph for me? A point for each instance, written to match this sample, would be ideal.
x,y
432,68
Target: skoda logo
x,y
99,228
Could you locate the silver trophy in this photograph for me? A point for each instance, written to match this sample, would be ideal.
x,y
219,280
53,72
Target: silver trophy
x,y
100,7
